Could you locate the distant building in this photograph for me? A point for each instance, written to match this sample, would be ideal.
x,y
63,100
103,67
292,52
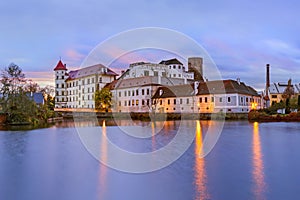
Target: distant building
x,y
276,91
76,89
37,97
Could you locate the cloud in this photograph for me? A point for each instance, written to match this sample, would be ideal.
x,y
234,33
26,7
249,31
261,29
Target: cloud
x,y
42,78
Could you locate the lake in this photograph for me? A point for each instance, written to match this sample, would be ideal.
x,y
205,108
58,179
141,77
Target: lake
x,y
249,161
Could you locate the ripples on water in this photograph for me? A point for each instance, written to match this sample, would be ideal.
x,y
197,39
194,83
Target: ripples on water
x,y
250,161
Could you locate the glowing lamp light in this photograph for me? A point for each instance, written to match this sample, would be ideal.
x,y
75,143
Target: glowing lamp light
x,y
253,106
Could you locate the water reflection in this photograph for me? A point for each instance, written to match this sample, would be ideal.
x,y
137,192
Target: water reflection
x,y
103,168
200,173
258,165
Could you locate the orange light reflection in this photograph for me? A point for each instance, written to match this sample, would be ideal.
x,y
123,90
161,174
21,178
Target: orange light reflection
x,y
200,173
103,154
258,166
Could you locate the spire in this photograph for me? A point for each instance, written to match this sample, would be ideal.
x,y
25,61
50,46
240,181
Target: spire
x,y
60,66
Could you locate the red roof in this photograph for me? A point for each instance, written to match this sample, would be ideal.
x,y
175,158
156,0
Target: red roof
x,y
60,66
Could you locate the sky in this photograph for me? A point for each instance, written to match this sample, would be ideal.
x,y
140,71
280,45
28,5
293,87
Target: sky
x,y
240,36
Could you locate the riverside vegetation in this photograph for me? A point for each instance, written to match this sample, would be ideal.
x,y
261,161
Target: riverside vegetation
x,y
16,103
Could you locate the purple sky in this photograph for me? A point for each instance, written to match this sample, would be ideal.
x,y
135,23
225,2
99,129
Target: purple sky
x,y
240,36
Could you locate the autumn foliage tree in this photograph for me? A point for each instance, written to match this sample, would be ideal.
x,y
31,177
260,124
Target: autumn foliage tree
x,y
103,99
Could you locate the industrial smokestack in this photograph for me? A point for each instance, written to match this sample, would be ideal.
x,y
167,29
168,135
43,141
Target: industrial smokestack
x,y
268,76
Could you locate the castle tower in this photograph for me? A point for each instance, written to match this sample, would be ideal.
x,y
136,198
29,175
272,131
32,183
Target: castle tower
x,y
60,86
196,65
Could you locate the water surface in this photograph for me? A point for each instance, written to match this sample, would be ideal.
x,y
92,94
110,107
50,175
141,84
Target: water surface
x,y
250,161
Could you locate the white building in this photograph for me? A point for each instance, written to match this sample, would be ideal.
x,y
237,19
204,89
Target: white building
x,y
76,89
207,97
60,85
132,92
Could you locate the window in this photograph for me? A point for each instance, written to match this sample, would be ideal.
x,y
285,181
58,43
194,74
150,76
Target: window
x,y
119,94
129,103
212,99
62,77
56,77
62,93
93,80
88,90
132,102
187,101
125,93
148,102
57,93
180,101
155,73
200,99
129,93
146,73
100,80
120,103
160,102
143,102
57,86
228,99
205,99
132,93
143,92
88,81
168,101
242,99
247,99
220,99
148,91
137,92
174,101
83,82
125,103
137,102
174,67
179,66
273,96
62,99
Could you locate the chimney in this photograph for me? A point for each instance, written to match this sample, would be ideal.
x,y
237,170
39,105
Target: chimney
x,y
196,85
238,80
268,76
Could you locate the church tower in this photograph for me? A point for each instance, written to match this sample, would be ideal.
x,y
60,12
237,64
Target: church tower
x,y
60,86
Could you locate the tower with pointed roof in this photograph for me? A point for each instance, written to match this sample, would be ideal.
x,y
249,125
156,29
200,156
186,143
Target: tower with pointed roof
x,y
60,86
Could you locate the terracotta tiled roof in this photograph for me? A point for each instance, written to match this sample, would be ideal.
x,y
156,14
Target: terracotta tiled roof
x,y
60,66
209,87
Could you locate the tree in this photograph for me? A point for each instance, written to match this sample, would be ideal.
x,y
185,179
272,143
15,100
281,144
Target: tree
x,y
287,94
13,80
103,99
16,102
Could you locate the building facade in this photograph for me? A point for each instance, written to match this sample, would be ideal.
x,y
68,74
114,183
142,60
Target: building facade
x,y
133,91
76,89
207,97
276,91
